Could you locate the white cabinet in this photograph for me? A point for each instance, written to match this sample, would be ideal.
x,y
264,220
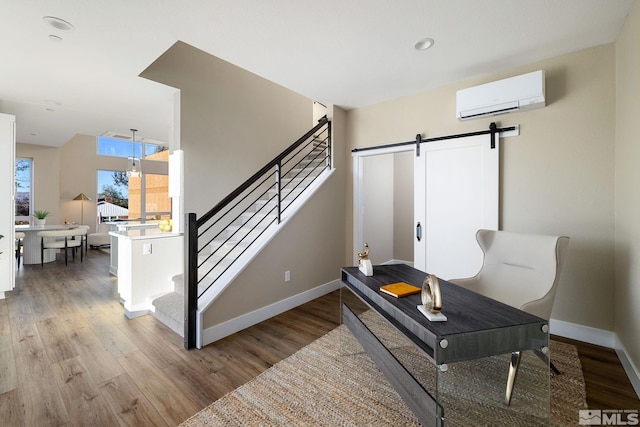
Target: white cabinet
x,y
7,157
147,262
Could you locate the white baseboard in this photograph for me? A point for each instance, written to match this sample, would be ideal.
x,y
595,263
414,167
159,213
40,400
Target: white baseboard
x,y
602,338
239,323
630,368
582,333
132,314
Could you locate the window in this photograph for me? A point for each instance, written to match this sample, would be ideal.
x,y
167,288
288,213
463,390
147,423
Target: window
x,y
150,151
116,147
23,190
157,203
121,197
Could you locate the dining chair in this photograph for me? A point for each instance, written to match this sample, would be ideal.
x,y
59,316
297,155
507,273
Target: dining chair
x,y
520,270
19,236
84,238
62,239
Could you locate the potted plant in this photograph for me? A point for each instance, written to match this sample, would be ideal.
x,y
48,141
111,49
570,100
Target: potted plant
x,y
40,216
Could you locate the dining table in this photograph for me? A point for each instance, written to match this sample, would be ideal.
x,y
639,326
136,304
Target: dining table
x,y
31,243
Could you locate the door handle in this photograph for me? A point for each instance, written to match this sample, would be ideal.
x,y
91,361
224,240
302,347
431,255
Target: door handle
x,y
419,232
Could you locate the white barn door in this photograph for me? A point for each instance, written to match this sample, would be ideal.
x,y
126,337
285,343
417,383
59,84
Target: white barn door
x,y
456,193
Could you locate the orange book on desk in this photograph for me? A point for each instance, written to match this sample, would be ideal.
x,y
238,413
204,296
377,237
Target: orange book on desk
x,y
399,289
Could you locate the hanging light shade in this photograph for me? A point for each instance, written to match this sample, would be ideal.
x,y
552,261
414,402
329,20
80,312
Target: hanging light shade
x,y
134,166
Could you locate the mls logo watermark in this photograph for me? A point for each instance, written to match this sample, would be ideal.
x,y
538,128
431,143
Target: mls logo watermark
x,y
608,417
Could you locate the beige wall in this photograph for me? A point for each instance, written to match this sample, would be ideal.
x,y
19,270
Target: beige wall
x,y
232,123
377,199
627,194
403,226
557,177
46,178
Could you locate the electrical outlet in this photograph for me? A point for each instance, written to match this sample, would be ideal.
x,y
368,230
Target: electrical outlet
x,y
146,249
287,276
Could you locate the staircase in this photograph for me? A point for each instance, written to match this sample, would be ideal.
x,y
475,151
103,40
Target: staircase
x,y
223,241
169,308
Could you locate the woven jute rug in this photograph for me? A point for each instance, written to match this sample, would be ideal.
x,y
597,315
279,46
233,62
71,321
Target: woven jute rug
x,y
332,382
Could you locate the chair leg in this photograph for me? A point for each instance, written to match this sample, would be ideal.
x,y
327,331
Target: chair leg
x,y
516,357
19,253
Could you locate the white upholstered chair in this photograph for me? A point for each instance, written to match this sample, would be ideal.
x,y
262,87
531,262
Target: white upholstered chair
x,y
101,237
521,270
62,239
19,236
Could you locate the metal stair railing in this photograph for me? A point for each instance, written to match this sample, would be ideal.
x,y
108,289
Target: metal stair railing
x,y
216,239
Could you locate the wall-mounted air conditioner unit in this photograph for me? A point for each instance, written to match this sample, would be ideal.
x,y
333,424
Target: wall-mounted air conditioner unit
x,y
524,92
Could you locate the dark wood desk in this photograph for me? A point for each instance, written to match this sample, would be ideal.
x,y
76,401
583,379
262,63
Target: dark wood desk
x,y
477,327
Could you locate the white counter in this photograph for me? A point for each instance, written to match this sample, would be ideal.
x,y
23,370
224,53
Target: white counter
x,y
147,260
125,226
143,233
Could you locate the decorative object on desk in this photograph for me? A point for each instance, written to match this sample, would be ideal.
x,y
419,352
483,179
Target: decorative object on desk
x,y
399,289
134,168
41,216
364,263
81,197
431,299
165,225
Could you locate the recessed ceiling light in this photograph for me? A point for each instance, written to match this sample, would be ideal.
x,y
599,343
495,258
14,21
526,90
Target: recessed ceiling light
x,y
54,38
424,44
58,24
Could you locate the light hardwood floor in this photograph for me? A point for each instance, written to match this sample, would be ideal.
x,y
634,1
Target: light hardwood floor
x,y
69,357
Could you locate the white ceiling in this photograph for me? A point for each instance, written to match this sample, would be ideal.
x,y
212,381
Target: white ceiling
x,y
350,53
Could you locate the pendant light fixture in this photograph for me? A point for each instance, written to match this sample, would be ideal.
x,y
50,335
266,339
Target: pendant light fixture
x,y
134,167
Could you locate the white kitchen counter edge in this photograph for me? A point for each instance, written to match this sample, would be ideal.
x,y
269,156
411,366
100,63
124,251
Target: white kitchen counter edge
x,y
134,235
